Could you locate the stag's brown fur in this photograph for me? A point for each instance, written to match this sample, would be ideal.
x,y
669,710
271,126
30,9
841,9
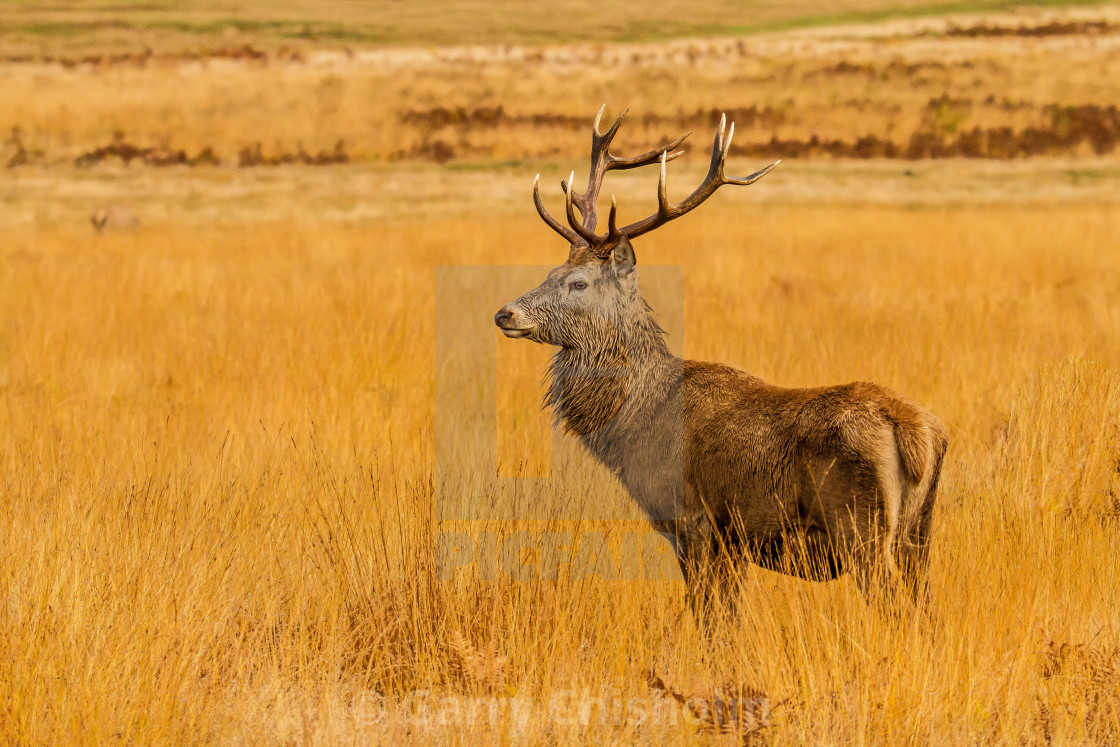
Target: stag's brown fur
x,y
813,482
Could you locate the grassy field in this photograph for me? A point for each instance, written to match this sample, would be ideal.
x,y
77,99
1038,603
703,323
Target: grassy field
x,y
223,452
977,86
71,26
217,462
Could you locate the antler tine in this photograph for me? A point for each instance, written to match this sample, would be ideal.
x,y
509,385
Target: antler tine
x,y
600,164
601,141
720,148
606,137
715,179
555,225
602,161
663,206
582,226
587,234
612,227
745,181
650,157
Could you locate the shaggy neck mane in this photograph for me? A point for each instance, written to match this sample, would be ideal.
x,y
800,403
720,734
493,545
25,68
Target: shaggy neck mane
x,y
612,376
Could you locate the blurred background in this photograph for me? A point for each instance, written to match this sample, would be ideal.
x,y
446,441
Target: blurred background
x,y
408,103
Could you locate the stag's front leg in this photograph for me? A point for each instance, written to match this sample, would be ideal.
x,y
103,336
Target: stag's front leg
x,y
697,567
709,573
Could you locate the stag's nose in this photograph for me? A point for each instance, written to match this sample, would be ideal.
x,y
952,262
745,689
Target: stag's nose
x,y
503,316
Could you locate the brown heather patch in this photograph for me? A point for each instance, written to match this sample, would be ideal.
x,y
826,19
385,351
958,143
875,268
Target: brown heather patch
x,y
127,152
145,57
443,134
254,156
1053,28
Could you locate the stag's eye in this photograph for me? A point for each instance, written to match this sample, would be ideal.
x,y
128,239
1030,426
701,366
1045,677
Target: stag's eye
x,y
579,285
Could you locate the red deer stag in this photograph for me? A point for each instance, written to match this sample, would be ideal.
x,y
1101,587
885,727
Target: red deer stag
x,y
811,482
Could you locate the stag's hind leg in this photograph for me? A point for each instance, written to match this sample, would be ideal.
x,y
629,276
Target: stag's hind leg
x,y
862,523
869,554
913,548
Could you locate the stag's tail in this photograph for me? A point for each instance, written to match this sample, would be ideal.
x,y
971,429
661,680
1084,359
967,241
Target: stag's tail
x,y
922,441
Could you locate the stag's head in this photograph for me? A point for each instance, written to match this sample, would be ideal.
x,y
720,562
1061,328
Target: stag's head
x,y
595,293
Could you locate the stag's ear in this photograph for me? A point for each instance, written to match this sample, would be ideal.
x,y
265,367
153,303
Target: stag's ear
x,y
622,257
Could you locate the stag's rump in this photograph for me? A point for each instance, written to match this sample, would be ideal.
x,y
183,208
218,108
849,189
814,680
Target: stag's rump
x,y
841,460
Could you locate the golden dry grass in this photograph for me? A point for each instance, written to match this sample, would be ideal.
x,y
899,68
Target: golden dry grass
x,y
225,454
217,465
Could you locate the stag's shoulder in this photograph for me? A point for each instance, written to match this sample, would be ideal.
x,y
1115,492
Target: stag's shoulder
x,y
705,374
715,393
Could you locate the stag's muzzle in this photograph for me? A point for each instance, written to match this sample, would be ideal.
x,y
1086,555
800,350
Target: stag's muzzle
x,y
507,321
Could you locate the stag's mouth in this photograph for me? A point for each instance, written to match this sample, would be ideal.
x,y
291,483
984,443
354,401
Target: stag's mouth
x,y
516,333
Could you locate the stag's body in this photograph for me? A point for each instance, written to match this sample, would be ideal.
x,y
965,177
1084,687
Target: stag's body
x,y
812,482
727,463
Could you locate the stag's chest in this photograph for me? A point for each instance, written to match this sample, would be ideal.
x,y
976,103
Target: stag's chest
x,y
644,449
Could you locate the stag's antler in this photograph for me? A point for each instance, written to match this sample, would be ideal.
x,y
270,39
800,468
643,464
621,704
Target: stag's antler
x,y
582,232
602,161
